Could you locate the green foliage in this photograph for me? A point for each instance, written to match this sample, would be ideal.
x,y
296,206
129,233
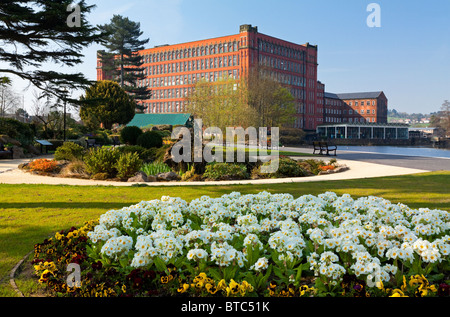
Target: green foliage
x,y
155,168
225,171
150,139
17,130
122,40
128,165
312,165
108,103
286,168
41,30
102,161
146,155
129,135
69,151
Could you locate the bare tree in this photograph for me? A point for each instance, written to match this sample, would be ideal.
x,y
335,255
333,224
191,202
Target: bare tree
x,y
9,100
442,119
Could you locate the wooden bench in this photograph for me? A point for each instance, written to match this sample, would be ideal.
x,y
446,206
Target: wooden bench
x,y
324,148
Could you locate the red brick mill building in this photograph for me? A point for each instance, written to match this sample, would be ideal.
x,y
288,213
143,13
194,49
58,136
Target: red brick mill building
x,y
172,70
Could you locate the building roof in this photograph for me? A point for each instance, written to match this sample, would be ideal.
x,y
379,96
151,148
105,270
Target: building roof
x,y
145,120
331,95
360,95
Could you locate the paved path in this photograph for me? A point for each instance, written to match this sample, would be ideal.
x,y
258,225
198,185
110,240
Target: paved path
x,y
10,174
404,161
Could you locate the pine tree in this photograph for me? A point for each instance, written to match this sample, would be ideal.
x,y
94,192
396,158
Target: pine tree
x,y
122,60
107,103
33,33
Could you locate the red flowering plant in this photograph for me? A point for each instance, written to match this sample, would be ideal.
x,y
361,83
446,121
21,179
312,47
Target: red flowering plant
x,y
43,165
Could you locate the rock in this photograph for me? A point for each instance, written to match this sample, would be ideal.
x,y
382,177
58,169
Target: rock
x,y
168,177
33,150
18,153
140,177
341,169
152,179
4,139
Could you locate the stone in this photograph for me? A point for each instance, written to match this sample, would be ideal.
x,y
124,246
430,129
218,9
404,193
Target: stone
x,y
4,139
18,153
152,179
169,176
140,177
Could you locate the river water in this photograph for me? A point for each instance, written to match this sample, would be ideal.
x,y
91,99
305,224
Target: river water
x,y
397,150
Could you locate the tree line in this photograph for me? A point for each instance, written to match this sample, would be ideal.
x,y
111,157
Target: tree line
x,y
42,32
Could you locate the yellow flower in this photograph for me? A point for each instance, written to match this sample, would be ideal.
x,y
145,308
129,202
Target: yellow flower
x,y
222,285
211,288
398,293
183,288
247,286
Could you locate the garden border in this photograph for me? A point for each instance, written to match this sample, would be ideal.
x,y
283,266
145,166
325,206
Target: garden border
x,y
12,275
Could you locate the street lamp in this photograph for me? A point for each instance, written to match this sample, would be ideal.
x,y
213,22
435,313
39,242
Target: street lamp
x,y
64,118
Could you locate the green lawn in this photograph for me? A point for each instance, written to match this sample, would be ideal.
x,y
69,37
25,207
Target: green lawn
x,y
31,213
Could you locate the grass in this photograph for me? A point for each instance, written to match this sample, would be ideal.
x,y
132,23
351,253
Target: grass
x,y
31,213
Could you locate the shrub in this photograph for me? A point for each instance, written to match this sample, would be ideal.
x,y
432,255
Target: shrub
x,y
314,165
128,165
155,168
75,168
43,165
17,130
129,135
102,160
150,139
225,171
146,155
69,151
286,168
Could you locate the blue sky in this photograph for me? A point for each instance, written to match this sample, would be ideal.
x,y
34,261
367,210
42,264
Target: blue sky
x,y
407,57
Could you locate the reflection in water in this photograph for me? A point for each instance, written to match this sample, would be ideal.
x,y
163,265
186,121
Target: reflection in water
x,y
408,151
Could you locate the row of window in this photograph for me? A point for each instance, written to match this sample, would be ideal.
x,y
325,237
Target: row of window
x,y
188,79
280,50
280,64
355,120
198,51
166,107
338,112
286,79
194,65
362,103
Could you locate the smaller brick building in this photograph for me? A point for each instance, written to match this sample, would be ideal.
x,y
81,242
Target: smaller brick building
x,y
365,107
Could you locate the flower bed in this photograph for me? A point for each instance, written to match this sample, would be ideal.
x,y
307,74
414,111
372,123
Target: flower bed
x,y
264,244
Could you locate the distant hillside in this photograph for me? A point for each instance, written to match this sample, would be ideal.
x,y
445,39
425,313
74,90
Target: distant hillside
x,y
414,119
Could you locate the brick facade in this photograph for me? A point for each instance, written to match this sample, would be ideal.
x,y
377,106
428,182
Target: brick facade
x,y
172,70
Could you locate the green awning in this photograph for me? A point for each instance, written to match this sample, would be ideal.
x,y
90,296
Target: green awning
x,y
146,120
